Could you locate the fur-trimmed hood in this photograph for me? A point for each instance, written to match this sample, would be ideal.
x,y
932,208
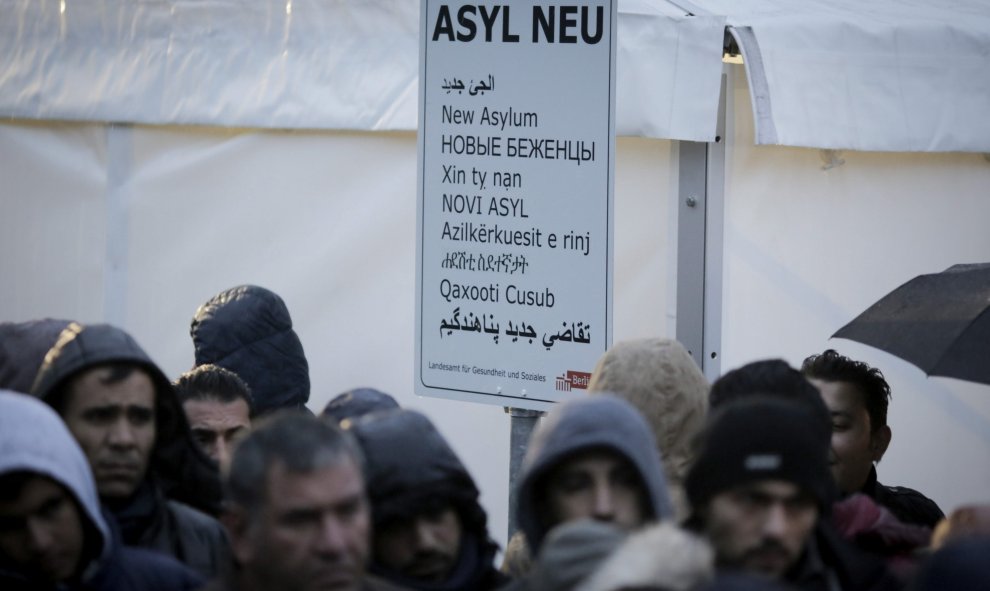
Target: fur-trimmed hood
x,y
662,555
659,378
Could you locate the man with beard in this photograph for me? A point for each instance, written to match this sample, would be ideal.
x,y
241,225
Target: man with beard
x,y
430,532
761,491
297,512
122,411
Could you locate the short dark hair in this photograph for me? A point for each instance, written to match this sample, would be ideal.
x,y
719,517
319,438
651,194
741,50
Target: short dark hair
x,y
830,366
212,382
119,371
300,442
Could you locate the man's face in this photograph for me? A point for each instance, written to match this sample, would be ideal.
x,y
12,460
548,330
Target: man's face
x,y
114,424
597,484
215,424
854,446
424,547
760,527
313,532
41,531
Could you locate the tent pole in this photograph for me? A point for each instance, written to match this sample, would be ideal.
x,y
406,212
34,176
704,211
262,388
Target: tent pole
x,y
700,210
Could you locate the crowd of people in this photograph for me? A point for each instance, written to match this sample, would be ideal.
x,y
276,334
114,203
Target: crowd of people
x,y
113,477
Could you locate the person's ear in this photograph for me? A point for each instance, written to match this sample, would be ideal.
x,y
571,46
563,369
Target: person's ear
x,y
879,440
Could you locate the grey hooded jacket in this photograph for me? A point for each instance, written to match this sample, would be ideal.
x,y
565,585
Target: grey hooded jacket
x,y
585,424
34,439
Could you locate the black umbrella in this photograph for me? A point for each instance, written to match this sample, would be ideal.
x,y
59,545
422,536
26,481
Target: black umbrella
x,y
939,322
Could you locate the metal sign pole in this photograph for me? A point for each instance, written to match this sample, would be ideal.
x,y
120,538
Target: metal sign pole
x,y
523,422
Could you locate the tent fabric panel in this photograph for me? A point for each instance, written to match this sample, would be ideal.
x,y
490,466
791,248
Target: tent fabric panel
x,y
304,64
907,76
668,73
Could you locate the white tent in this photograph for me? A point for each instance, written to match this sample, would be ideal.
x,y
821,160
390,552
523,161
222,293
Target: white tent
x,y
154,153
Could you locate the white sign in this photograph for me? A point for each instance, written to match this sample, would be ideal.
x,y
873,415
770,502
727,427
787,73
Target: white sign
x,y
516,165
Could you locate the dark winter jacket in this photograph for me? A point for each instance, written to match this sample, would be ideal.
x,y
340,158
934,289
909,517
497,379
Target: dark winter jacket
x,y
960,565
247,329
34,439
178,470
908,505
409,462
149,520
831,563
585,424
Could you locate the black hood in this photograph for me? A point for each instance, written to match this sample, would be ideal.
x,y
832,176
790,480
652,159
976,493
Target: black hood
x,y
357,403
177,464
408,461
248,330
22,350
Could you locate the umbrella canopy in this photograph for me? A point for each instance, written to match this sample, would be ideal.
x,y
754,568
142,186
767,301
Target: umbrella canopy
x,y
939,322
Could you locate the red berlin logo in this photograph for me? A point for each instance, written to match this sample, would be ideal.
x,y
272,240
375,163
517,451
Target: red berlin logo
x,y
573,380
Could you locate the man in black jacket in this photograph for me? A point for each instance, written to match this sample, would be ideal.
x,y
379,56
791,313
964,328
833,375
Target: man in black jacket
x,y
760,491
122,411
430,532
857,396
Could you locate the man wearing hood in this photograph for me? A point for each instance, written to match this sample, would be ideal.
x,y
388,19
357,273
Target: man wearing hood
x,y
430,532
52,533
356,403
247,329
591,458
122,411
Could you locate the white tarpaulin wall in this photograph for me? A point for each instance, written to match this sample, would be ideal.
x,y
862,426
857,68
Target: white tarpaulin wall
x,y
138,224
